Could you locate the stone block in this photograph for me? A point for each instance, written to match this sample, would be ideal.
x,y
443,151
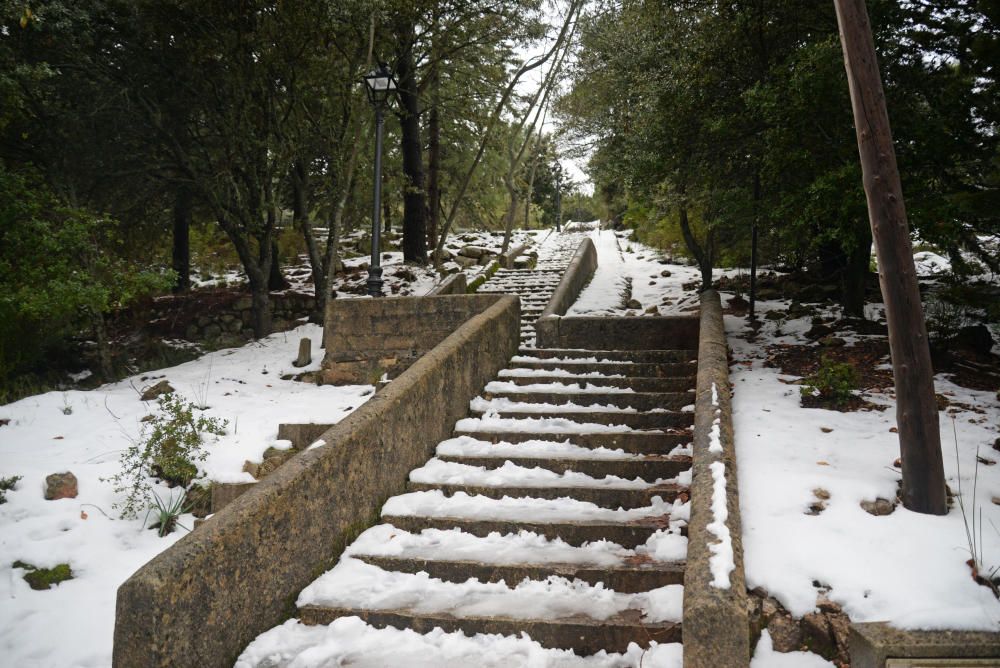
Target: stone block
x,y
61,486
874,644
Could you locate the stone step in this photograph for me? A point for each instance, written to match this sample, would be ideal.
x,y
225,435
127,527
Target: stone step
x,y
644,420
627,579
645,370
606,497
659,442
614,355
676,384
641,401
649,467
626,534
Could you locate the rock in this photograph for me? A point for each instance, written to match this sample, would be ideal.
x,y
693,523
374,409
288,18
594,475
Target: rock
x,y
633,304
974,339
666,274
463,261
474,252
213,331
61,486
305,353
785,633
996,443
769,607
832,342
154,391
821,494
878,507
775,315
819,331
653,310
243,304
818,636
764,294
840,625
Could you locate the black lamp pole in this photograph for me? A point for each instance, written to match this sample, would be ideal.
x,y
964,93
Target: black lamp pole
x,y
558,197
380,85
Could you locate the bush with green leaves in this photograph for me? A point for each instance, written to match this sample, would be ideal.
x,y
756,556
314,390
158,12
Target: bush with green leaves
x,y
169,448
833,383
7,484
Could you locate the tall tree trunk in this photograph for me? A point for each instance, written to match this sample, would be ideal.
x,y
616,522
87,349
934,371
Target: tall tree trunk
x,y
302,221
414,196
702,256
916,406
103,347
855,276
181,256
434,160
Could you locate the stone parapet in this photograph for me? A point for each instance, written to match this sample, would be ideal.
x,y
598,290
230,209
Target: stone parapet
x,y
578,273
204,599
366,339
716,627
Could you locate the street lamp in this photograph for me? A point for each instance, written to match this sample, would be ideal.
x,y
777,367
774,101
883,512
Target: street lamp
x,y
559,173
380,86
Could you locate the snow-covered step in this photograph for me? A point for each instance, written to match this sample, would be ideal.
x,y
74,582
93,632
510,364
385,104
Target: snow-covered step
x,y
646,466
676,384
513,481
612,355
629,535
621,578
642,369
556,394
633,420
633,441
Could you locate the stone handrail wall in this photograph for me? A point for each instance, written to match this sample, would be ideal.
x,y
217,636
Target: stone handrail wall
x,y
579,272
204,599
716,627
366,339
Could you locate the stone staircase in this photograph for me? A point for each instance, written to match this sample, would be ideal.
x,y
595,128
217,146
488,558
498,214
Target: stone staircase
x,y
557,509
561,488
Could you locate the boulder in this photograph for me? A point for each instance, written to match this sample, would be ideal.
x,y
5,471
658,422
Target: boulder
x,y
974,339
832,342
463,261
475,252
633,304
61,486
154,391
819,331
878,507
665,273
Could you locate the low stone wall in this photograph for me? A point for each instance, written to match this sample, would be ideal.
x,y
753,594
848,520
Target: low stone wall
x,y
452,285
627,333
483,276
368,338
874,643
223,316
204,599
579,272
716,628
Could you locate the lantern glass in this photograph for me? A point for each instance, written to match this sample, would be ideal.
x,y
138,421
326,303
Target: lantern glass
x,y
380,85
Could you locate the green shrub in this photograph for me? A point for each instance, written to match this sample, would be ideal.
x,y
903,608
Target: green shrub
x,y
167,513
168,448
833,382
7,484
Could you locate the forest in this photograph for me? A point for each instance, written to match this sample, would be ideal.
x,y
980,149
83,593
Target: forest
x,y
142,139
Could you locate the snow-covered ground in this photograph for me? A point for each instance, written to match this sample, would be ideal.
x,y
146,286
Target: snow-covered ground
x,y
85,432
904,568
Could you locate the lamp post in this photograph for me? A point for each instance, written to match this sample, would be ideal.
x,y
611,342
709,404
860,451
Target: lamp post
x,y
559,172
380,86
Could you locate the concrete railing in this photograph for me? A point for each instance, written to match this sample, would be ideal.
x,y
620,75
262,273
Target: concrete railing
x,y
716,627
204,599
579,272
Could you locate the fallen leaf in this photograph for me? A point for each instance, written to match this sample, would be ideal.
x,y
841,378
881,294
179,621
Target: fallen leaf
x,y
83,514
822,463
825,430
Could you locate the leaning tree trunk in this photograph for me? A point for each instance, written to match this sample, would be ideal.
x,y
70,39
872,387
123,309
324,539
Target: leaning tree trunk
x,y
702,256
434,161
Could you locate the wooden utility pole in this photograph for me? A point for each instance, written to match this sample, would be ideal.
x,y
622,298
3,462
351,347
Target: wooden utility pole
x,y
916,407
